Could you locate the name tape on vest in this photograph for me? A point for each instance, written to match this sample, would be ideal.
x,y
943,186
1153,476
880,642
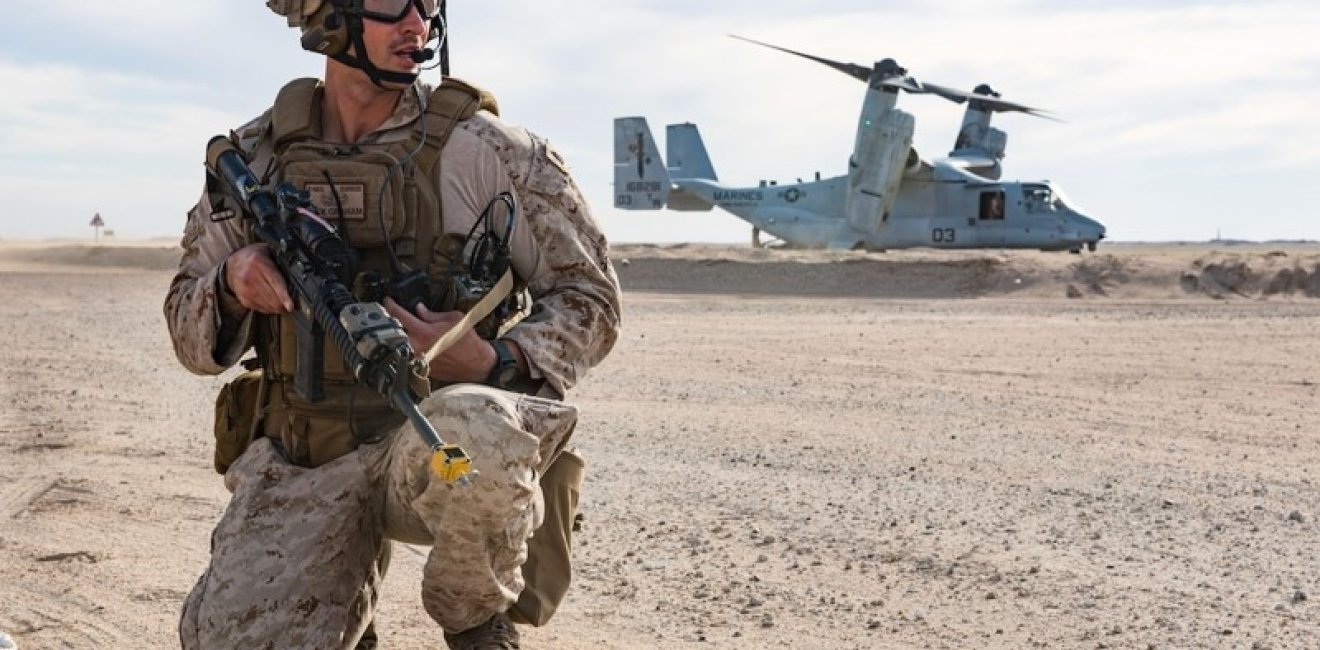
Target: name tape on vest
x,y
353,196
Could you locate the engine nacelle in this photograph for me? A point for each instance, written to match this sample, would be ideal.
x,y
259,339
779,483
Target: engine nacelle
x,y
877,169
978,137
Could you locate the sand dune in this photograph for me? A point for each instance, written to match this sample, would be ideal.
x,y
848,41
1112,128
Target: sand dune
x,y
1123,271
141,256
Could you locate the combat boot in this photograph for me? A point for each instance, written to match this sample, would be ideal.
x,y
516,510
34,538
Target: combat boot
x,y
369,641
498,633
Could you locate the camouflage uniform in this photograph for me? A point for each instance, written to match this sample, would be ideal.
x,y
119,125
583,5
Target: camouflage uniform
x,y
298,555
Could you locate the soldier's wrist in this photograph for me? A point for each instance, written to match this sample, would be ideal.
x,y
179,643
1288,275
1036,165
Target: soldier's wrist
x,y
222,280
225,296
504,372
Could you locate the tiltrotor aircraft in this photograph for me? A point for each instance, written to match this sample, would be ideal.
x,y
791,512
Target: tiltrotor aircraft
x,y
891,197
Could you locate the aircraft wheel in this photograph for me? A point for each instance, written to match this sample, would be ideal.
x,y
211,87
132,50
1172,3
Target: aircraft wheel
x,y
1075,251
1090,246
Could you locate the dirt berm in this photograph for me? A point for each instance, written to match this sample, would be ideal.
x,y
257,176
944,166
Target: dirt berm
x,y
1127,271
1121,271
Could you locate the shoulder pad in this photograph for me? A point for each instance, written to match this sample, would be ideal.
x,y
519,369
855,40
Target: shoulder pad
x,y
531,161
512,144
453,89
249,136
296,114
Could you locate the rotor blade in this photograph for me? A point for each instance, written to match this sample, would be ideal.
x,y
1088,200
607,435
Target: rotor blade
x,y
853,70
904,83
951,94
862,73
989,102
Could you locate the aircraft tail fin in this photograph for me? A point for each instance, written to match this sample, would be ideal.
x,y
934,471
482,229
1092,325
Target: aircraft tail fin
x,y
686,153
641,181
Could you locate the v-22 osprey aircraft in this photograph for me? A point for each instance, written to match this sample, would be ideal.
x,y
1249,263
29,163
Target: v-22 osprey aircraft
x,y
890,198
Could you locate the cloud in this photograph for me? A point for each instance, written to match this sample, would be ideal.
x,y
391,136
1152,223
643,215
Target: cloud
x,y
67,111
76,142
133,205
1186,88
129,19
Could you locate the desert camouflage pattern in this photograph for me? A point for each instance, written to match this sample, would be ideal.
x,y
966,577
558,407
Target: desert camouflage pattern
x,y
296,558
295,11
298,554
558,249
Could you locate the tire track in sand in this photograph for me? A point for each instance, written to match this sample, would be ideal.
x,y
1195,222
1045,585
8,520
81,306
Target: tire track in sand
x,y
16,497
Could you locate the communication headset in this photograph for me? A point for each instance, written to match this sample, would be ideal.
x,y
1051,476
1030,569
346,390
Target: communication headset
x,y
326,31
331,31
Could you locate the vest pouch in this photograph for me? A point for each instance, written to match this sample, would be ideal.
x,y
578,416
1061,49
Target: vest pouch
x,y
235,409
311,441
356,176
335,370
336,374
315,434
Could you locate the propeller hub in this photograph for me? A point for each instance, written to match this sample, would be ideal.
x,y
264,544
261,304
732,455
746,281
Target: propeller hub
x,y
888,68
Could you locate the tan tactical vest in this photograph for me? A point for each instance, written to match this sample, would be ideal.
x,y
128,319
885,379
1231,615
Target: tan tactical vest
x,y
373,193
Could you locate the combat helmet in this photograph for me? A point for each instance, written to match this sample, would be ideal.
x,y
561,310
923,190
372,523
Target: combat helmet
x,y
333,27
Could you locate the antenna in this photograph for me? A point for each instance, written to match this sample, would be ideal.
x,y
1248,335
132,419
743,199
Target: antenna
x,y
444,45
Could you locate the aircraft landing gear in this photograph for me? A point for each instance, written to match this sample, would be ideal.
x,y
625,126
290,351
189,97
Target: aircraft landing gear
x,y
1090,246
769,242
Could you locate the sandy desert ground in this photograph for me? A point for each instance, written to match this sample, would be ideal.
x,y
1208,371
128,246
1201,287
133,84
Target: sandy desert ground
x,y
787,450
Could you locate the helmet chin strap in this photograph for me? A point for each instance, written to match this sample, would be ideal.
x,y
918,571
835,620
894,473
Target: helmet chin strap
x,y
363,61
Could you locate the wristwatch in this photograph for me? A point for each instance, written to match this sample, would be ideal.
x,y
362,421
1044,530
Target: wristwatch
x,y
505,372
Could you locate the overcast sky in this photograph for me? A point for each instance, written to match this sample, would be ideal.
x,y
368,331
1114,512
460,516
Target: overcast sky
x,y
1184,118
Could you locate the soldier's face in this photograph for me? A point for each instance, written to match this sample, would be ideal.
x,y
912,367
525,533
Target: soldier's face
x,y
390,45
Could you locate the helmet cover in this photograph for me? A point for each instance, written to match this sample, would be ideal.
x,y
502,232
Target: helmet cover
x,y
295,11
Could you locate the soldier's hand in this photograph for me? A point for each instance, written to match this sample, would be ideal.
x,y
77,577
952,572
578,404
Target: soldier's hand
x,y
251,276
469,359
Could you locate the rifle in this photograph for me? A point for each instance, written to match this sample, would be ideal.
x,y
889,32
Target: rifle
x,y
316,264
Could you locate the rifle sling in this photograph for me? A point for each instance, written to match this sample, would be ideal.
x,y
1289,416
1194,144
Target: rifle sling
x,y
472,317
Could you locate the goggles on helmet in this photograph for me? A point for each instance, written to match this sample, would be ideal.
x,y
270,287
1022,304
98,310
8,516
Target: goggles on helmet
x,y
393,11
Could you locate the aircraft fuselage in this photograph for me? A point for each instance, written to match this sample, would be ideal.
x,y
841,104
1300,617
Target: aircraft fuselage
x,y
959,212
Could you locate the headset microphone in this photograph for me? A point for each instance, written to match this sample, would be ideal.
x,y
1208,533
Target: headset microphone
x,y
422,55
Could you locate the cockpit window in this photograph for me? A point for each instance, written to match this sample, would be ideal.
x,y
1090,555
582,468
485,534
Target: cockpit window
x,y
1062,202
1040,198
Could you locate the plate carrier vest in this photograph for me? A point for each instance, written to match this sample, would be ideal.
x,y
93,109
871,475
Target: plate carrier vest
x,y
374,194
